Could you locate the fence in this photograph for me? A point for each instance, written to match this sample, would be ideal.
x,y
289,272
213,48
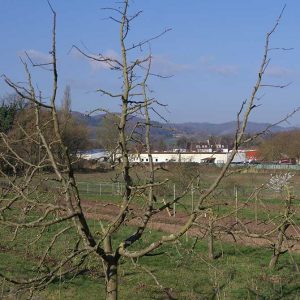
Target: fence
x,y
265,166
101,188
233,194
166,191
277,167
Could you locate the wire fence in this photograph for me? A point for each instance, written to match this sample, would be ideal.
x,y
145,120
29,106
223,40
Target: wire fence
x,y
101,188
172,190
232,195
277,167
166,191
265,166
225,199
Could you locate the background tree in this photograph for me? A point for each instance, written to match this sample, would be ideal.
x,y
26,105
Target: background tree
x,y
67,101
281,145
75,133
23,125
182,142
108,134
10,105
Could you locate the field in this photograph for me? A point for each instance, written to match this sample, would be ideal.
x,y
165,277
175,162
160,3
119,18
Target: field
x,y
180,270
240,273
246,190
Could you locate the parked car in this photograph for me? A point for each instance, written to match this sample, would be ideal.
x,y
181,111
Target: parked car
x,y
288,161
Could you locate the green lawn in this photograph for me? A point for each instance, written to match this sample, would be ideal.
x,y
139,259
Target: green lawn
x,y
177,270
183,272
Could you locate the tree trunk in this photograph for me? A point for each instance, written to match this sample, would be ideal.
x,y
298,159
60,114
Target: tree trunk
x,y
111,270
278,246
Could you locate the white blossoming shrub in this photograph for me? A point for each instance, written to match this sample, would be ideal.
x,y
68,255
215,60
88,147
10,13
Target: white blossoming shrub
x,y
279,181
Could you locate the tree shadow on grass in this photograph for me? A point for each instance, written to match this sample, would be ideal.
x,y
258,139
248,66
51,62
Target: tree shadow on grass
x,y
284,293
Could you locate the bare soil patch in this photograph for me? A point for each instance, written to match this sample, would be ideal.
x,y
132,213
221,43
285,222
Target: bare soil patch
x,y
164,222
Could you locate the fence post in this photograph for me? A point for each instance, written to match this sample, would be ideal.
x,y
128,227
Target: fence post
x,y
174,197
256,198
87,188
100,189
236,203
168,210
192,197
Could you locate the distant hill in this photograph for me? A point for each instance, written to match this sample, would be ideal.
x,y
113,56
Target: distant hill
x,y
227,128
91,121
201,129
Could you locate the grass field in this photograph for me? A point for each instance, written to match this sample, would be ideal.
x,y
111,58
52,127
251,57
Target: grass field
x,y
180,270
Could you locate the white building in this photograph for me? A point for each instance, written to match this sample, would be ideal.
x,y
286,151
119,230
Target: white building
x,y
164,157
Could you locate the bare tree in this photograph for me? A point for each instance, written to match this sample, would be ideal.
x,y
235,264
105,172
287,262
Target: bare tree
x,y
274,231
281,184
28,205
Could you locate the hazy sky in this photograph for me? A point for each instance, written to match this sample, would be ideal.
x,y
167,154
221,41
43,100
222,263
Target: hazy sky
x,y
213,51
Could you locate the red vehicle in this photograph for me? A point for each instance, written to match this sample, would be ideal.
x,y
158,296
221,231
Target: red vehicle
x,y
288,161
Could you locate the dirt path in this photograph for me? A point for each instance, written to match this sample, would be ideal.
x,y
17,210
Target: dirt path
x,y
170,224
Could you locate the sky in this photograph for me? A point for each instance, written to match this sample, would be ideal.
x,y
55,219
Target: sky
x,y
212,53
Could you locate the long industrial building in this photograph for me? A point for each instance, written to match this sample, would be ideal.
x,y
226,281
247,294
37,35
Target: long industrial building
x,y
164,157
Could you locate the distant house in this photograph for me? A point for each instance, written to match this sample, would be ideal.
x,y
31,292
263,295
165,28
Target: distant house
x,y
203,147
207,146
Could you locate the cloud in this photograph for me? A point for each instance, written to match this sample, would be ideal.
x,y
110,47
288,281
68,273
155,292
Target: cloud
x,y
97,65
276,71
36,56
207,62
162,65
224,70
206,59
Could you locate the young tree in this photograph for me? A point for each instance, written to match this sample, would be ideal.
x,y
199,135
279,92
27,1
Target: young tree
x,y
29,206
275,232
280,184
